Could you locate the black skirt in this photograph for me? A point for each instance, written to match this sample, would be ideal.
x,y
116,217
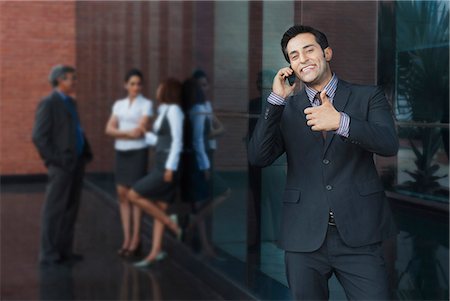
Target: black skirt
x,y
153,186
131,166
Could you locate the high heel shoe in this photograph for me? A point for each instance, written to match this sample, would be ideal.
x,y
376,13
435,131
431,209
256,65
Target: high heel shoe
x,y
121,251
147,263
135,252
180,235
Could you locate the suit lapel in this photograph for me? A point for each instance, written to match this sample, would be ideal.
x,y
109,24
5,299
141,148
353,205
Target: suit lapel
x,y
340,101
60,101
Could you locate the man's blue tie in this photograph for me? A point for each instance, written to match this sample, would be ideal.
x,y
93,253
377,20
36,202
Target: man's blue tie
x,y
78,130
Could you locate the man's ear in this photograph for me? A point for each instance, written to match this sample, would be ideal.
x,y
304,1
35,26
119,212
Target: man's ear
x,y
328,53
59,80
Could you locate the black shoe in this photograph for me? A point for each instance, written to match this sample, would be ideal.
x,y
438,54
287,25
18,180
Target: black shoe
x,y
55,263
48,263
133,253
73,257
122,252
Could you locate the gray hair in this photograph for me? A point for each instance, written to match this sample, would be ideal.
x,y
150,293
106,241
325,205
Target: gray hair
x,y
59,71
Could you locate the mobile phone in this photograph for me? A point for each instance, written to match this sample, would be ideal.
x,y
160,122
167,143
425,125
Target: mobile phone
x,y
291,78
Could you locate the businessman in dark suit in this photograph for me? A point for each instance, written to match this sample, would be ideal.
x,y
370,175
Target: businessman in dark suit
x,y
61,142
335,214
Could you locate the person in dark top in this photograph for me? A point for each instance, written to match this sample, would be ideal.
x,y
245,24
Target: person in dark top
x,y
62,144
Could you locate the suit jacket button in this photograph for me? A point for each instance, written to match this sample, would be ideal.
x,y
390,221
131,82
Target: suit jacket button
x,y
326,161
329,187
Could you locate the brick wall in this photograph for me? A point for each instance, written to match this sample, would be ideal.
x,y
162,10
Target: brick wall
x,y
34,36
351,29
105,39
163,39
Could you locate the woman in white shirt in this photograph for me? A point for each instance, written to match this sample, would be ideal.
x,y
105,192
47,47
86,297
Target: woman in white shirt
x,y
128,122
216,127
205,127
156,191
209,189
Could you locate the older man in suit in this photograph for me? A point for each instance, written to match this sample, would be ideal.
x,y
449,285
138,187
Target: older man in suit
x,y
335,214
60,140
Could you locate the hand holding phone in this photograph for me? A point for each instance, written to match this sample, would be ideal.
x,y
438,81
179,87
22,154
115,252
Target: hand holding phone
x,y
291,78
279,86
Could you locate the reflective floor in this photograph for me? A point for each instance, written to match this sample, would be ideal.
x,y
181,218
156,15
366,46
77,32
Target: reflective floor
x,y
417,258
102,275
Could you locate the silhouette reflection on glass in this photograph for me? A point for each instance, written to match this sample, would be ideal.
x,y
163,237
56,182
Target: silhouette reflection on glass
x,y
254,106
201,129
265,185
424,277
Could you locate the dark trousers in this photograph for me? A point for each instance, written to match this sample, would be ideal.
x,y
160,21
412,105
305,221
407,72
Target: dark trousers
x,y
60,212
361,271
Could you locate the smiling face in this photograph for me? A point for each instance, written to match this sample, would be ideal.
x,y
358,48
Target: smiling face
x,y
309,62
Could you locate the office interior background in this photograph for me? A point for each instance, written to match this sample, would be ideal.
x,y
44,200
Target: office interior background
x,y
402,46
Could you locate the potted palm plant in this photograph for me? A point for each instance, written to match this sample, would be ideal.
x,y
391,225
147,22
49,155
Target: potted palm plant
x,y
423,81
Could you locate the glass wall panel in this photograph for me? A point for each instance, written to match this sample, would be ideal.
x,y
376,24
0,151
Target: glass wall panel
x,y
422,98
277,17
238,231
230,96
417,35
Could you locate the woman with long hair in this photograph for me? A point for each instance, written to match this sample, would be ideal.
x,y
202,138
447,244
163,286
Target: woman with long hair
x,y
209,189
156,191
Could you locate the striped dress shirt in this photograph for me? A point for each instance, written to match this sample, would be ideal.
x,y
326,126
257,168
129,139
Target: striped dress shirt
x,y
344,124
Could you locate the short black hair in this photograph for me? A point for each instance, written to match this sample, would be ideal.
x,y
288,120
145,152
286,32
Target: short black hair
x,y
199,74
192,94
295,30
133,72
59,71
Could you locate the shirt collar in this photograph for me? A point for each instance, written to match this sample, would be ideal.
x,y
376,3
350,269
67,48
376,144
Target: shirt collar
x,y
330,88
136,99
64,96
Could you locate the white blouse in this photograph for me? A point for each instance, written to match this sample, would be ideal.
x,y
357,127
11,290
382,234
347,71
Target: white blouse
x,y
175,117
128,116
210,114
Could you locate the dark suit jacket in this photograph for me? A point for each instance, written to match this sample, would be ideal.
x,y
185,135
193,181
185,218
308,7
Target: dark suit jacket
x,y
54,134
338,173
